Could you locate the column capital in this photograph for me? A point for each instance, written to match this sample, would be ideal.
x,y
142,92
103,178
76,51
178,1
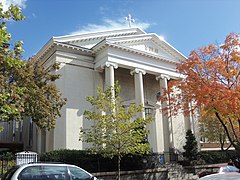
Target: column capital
x,y
137,71
162,76
108,64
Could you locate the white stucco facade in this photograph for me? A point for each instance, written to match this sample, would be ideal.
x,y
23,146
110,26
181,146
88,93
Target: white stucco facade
x,y
142,63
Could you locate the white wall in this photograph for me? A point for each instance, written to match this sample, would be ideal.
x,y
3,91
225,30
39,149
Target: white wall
x,y
76,83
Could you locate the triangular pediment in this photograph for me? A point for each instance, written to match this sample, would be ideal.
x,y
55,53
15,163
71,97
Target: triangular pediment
x,y
150,47
149,44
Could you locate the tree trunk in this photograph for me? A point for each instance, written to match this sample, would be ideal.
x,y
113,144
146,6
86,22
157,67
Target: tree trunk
x,y
236,143
119,167
225,128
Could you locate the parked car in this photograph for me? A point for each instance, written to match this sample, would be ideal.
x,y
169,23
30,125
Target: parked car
x,y
229,176
228,169
219,170
47,171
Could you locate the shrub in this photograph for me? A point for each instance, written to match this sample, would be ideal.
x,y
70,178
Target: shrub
x,y
98,163
215,157
7,160
191,150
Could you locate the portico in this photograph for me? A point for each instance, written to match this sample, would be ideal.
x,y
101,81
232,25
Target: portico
x,y
161,120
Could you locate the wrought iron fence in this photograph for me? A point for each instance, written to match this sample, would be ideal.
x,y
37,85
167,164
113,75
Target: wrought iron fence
x,y
26,157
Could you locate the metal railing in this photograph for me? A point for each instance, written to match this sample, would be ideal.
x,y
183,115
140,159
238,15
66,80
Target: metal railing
x,y
26,157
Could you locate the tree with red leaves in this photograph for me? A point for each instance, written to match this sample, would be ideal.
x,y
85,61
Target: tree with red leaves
x,y
210,87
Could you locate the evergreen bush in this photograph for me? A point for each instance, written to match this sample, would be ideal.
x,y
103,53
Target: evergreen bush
x,y
191,150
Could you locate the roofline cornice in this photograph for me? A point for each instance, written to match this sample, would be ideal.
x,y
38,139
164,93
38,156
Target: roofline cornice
x,y
74,47
135,38
98,35
51,44
169,45
43,50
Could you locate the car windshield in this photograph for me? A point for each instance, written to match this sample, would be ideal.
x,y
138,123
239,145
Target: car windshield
x,y
10,172
230,169
56,172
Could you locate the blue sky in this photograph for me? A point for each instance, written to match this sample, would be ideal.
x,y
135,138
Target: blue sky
x,y
185,24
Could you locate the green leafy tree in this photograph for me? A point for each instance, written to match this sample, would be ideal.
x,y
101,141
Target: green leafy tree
x,y
10,93
117,130
191,150
27,89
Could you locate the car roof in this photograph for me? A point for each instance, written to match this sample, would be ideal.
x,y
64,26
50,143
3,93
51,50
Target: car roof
x,y
229,176
46,163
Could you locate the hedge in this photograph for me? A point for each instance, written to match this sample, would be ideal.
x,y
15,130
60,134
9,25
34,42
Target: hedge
x,y
215,157
98,163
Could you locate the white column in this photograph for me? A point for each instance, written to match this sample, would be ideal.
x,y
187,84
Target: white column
x,y
43,141
109,76
165,120
187,121
109,73
49,140
39,140
138,81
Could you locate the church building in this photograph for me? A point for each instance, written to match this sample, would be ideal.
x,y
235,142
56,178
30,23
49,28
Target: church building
x,y
143,64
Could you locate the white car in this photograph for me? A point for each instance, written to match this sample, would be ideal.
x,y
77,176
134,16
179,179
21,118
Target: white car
x,y
228,169
47,171
224,172
230,176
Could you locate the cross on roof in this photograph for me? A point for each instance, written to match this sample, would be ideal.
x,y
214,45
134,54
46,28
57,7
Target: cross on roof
x,y
130,20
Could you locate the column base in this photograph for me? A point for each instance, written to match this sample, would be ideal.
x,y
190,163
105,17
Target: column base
x,y
166,157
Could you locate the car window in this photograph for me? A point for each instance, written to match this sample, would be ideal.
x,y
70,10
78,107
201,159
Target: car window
x,y
78,174
31,173
56,172
215,169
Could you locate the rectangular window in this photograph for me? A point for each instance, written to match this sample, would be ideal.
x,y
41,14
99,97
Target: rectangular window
x,y
56,172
